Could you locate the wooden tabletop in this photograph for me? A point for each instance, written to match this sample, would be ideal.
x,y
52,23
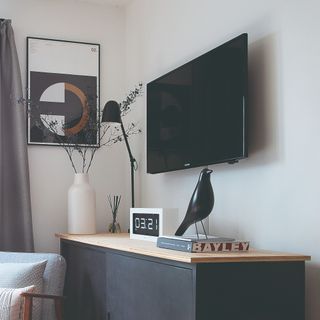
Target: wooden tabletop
x,y
122,242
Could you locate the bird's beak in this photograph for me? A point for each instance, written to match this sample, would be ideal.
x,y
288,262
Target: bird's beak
x,y
210,171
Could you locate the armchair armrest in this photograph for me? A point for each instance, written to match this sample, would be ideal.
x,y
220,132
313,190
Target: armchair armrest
x,y
28,299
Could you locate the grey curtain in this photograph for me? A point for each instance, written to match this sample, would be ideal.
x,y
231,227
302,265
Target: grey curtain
x,y
15,206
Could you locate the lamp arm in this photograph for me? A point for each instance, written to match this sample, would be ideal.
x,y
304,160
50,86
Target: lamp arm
x,y
132,159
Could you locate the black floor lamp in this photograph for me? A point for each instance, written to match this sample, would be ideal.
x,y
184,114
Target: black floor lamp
x,y
111,113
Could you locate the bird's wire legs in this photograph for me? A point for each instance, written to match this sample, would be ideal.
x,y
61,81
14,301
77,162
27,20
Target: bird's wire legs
x,y
204,230
197,230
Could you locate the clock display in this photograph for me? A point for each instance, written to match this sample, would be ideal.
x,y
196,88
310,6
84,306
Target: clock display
x,y
145,224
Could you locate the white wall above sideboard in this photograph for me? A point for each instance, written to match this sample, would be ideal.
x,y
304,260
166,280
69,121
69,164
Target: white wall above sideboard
x,y
50,171
272,197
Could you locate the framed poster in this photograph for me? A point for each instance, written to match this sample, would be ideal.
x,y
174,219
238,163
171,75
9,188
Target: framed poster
x,y
63,92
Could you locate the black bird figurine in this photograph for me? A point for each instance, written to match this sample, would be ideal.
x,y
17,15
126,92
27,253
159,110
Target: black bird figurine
x,y
200,205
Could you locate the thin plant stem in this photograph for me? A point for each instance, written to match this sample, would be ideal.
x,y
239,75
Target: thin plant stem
x,y
73,144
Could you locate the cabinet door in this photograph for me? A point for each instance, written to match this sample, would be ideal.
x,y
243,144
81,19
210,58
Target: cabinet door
x,y
85,286
250,291
139,289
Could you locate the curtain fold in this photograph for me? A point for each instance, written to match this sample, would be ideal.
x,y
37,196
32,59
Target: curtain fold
x,y
15,205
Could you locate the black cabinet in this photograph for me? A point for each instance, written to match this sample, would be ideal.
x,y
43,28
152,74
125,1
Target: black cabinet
x,y
141,289
108,284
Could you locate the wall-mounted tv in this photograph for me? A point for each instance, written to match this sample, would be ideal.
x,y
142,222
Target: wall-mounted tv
x,y
196,114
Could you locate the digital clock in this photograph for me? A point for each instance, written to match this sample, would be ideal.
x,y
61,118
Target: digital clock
x,y
146,224
150,223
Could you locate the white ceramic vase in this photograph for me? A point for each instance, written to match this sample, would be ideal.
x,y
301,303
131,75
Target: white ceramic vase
x,y
81,206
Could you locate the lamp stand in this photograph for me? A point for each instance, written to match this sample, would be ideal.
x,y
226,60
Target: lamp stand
x,y
132,181
133,163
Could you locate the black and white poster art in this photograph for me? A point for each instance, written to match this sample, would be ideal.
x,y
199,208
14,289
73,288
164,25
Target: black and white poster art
x,y
63,92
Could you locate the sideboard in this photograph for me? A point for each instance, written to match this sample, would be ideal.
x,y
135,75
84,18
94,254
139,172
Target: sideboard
x,y
110,277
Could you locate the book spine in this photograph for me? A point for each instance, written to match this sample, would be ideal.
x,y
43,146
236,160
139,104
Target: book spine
x,y
174,244
233,246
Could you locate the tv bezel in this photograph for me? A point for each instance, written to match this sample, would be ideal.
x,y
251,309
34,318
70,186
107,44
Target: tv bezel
x,y
244,103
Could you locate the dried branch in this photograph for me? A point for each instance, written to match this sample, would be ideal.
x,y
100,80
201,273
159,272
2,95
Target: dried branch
x,y
95,130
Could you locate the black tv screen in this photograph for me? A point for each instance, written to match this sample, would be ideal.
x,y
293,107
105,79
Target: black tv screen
x,y
196,114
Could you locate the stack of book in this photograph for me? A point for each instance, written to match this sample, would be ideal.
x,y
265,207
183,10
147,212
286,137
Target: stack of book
x,y
212,244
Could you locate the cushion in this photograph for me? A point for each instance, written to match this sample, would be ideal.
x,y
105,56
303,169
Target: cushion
x,y
53,276
20,275
11,302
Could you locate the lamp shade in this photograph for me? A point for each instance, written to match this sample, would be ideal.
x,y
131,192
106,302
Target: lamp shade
x,y
111,112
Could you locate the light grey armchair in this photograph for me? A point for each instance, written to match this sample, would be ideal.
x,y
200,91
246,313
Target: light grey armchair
x,y
53,277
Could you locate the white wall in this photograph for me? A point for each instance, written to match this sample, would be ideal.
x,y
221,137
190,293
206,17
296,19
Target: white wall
x,y
272,198
50,171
